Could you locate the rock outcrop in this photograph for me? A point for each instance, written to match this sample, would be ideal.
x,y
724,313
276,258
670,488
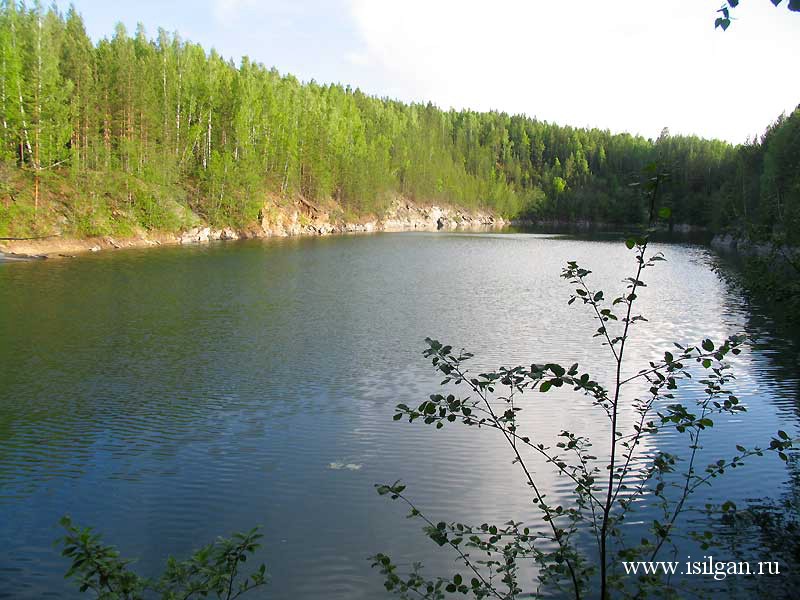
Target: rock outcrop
x,y
404,216
199,235
742,245
274,219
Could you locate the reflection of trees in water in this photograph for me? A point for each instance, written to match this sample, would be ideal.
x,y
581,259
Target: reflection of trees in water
x,y
766,529
769,287
774,329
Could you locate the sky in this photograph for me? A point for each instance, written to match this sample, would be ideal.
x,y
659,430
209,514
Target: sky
x,y
623,65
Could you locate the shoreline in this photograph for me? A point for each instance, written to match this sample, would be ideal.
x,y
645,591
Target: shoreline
x,y
299,219
402,216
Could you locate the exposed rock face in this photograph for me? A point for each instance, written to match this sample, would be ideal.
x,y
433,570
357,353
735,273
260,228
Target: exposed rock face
x,y
404,216
199,235
275,222
303,218
196,235
401,216
746,247
307,219
724,242
367,227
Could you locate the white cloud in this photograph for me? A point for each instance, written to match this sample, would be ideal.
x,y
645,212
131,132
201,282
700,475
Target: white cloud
x,y
359,59
251,13
228,11
621,65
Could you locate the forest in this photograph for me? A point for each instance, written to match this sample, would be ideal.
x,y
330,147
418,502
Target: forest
x,y
134,133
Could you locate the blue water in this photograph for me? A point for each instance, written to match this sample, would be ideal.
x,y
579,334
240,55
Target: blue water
x,y
170,396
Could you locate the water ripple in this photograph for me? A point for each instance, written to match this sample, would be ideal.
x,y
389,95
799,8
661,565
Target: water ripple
x,y
169,397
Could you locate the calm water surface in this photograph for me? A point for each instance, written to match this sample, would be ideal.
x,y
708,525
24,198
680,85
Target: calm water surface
x,y
167,397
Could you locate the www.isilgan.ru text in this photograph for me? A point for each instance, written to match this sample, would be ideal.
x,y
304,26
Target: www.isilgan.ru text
x,y
708,566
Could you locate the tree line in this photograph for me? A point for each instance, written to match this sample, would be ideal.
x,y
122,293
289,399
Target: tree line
x,y
130,131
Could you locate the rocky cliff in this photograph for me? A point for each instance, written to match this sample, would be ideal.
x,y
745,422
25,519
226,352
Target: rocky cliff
x,y
301,217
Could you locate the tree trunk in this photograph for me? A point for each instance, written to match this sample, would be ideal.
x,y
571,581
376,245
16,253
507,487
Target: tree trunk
x,y
38,131
107,132
5,109
25,135
178,114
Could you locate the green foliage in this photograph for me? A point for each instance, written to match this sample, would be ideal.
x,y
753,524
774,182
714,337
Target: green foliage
x,y
578,546
725,18
761,199
761,208
212,571
90,217
163,112
769,525
16,219
775,280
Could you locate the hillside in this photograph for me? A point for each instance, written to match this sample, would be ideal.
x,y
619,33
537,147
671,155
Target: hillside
x,y
134,135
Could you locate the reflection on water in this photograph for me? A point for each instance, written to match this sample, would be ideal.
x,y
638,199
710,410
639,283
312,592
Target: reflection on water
x,y
167,397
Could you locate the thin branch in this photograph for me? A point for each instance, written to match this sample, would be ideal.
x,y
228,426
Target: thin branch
x,y
544,507
464,557
614,416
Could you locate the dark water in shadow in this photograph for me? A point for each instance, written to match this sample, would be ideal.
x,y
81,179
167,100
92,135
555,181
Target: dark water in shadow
x,y
167,397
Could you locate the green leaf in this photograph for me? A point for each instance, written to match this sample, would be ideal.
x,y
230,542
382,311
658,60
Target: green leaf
x,y
665,212
630,243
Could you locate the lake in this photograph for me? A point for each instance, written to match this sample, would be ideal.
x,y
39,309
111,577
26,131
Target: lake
x,y
170,396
